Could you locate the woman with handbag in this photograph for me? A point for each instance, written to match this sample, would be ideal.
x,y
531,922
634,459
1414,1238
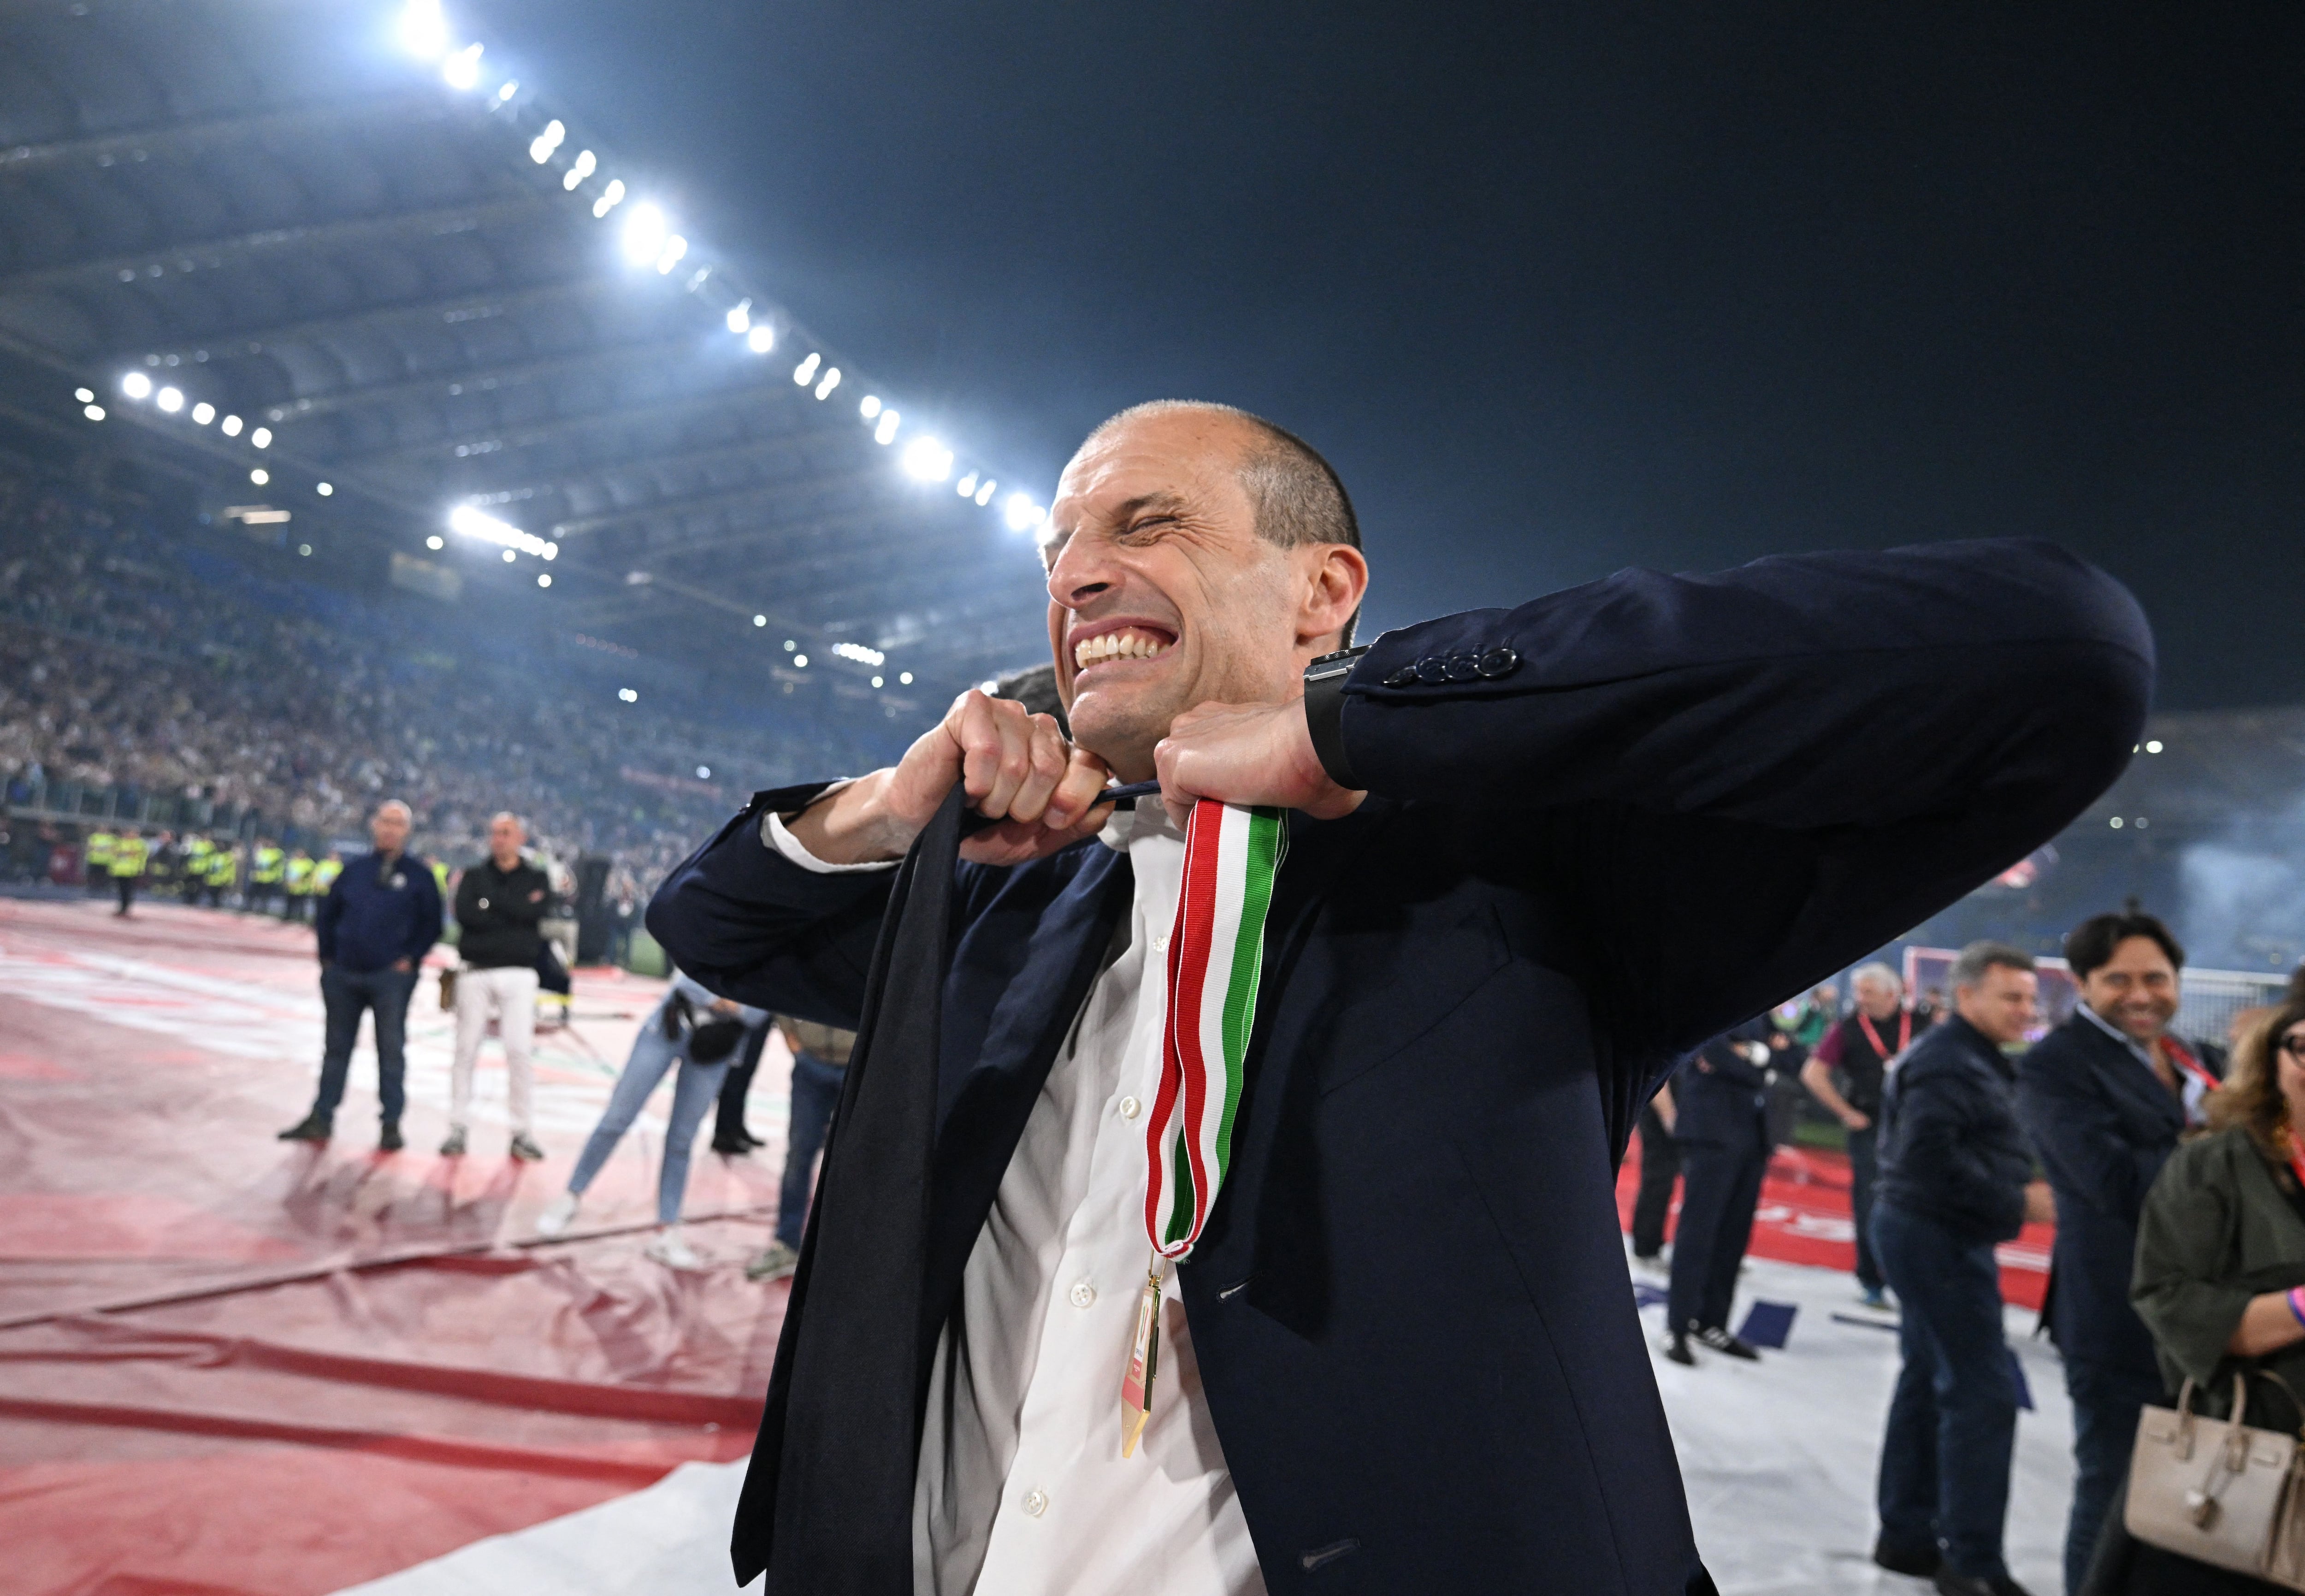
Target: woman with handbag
x,y
2215,1500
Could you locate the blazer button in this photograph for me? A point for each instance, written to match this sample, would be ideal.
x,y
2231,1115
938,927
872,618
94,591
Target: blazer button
x,y
1406,676
1500,662
1464,667
1432,669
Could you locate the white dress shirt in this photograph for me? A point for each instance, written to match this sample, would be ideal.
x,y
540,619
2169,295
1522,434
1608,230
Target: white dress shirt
x,y
2191,1089
1021,1489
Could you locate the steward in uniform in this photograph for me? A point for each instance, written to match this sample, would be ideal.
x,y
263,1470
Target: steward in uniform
x,y
127,868
267,868
96,861
299,887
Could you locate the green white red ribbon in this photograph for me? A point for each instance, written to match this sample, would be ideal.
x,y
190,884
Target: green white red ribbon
x,y
1215,955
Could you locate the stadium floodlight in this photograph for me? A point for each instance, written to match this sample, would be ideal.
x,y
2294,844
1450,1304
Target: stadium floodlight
x,y
543,579
1023,513
984,494
136,386
805,373
831,381
506,89
462,69
231,428
905,677
801,662
424,30
487,529
259,476
171,400
541,147
85,395
610,198
675,247
581,168
967,485
324,489
859,653
869,406
203,413
885,432
741,316
876,680
704,772
628,695
927,460
644,233
261,438
760,620
509,556
761,339
94,412
2153,747
790,645
435,542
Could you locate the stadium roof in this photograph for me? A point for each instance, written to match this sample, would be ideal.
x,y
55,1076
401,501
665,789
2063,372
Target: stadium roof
x,y
341,245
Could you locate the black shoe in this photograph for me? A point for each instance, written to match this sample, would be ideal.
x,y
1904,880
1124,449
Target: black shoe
x,y
1677,1349
312,1127
735,1150
1950,1583
1720,1340
1919,1561
388,1139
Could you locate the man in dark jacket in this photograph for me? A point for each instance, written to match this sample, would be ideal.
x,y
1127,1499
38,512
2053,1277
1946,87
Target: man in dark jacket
x,y
1722,1130
499,903
1956,1177
2103,1098
1532,854
380,918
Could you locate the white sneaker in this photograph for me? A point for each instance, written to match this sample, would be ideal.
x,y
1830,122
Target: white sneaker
x,y
556,1218
669,1250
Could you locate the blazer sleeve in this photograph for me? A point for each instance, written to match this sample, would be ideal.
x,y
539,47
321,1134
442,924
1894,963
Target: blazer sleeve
x,y
752,925
1744,780
2185,1245
2077,1134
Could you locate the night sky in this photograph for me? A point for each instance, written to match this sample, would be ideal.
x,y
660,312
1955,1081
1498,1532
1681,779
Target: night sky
x,y
1557,293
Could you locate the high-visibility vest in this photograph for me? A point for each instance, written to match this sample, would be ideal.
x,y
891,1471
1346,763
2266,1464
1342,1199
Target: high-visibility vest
x,y
270,863
101,845
325,874
127,856
221,867
196,856
299,877
440,879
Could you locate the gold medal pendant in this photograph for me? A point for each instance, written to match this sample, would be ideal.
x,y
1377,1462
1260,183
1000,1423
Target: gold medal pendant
x,y
1144,1359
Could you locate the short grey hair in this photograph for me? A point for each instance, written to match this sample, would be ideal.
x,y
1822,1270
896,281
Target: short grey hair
x,y
406,813
1877,971
1968,970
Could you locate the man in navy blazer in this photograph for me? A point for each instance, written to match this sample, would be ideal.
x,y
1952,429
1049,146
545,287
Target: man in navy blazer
x,y
1533,853
2103,1098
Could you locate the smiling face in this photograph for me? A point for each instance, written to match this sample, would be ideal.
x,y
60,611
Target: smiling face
x,y
2135,991
1162,595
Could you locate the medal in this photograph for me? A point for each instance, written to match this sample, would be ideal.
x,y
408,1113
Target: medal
x,y
1143,1362
1216,954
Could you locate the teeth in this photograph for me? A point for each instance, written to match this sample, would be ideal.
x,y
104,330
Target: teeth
x,y
1129,644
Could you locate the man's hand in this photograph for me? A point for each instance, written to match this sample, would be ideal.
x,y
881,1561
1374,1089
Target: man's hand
x,y
1015,767
728,1008
1857,1120
1247,754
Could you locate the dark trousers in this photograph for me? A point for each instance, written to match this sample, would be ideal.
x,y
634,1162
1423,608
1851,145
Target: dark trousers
x,y
126,887
1864,1164
385,994
1721,1186
728,1124
1660,1168
2107,1399
815,1093
1952,1423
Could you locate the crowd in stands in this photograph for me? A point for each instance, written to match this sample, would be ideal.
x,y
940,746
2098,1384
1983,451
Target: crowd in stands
x,y
134,656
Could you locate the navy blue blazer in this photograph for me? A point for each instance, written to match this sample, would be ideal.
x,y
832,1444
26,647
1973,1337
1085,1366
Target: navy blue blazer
x,y
2102,1125
1693,797
1729,1102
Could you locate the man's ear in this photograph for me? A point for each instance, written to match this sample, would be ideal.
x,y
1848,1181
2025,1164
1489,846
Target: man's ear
x,y
1336,581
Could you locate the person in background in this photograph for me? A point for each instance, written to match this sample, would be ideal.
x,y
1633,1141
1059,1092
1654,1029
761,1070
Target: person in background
x,y
1845,1074
325,873
297,886
1660,1173
96,860
1956,1178
731,1137
1720,1095
267,868
2220,1260
499,903
162,868
700,1033
380,918
820,1067
194,867
127,868
2103,1099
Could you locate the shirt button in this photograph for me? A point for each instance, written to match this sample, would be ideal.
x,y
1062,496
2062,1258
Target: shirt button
x,y
1160,943
1036,1501
1130,1107
1082,1294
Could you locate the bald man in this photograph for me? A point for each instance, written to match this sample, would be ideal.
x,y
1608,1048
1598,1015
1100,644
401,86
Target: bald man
x,y
381,917
1532,854
499,904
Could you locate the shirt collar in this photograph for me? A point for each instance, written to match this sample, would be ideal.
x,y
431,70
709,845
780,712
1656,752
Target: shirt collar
x,y
2136,1049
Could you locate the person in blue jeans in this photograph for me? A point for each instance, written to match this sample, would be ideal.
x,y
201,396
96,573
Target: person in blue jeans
x,y
819,1066
1956,1177
381,917
701,1033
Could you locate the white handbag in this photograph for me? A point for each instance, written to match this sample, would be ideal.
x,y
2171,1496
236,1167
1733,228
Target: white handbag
x,y
2227,1494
